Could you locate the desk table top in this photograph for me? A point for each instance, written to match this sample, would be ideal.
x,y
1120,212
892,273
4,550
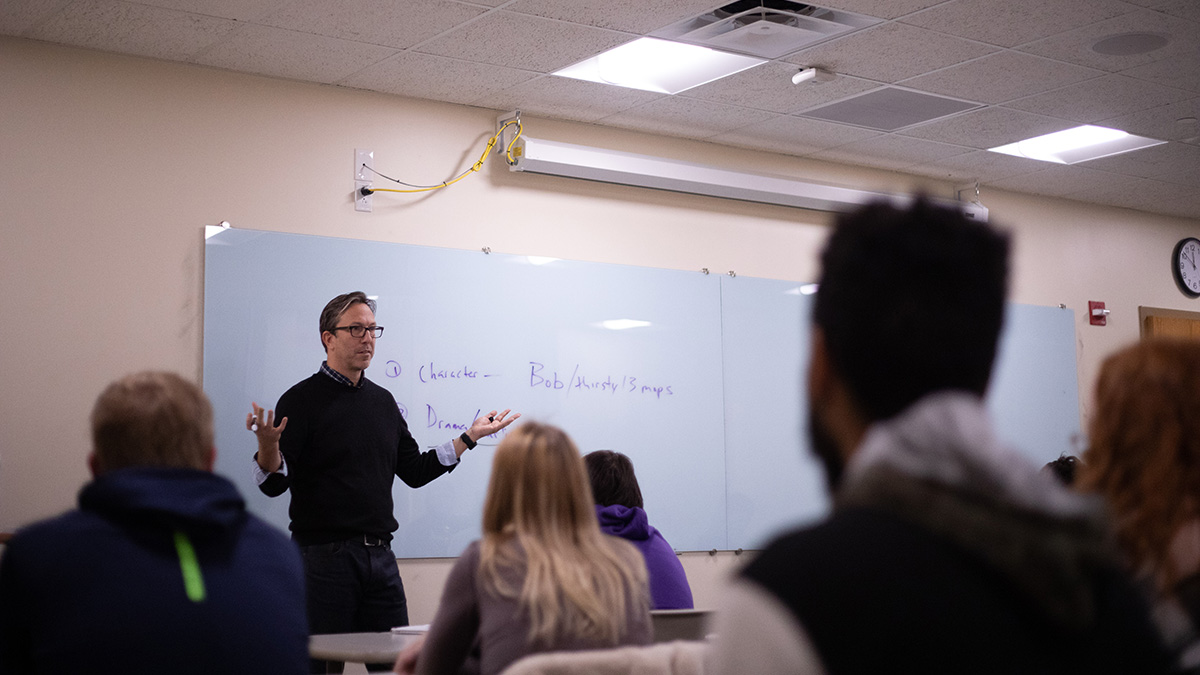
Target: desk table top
x,y
359,647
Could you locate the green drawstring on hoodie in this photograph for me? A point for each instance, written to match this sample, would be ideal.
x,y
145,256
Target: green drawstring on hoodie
x,y
193,581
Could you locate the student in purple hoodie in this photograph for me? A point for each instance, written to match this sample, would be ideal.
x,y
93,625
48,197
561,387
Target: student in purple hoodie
x,y
619,509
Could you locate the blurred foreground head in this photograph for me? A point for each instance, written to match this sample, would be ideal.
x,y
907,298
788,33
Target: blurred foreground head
x,y
1144,457
152,419
910,302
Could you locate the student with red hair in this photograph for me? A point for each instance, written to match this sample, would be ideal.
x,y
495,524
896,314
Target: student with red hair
x,y
1144,460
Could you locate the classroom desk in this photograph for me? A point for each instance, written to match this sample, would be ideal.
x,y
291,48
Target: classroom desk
x,y
359,647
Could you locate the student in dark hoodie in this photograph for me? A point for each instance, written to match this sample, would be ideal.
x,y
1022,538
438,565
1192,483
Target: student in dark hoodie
x,y
160,569
946,551
619,509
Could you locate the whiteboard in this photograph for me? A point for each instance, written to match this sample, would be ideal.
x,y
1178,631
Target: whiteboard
x,y
705,395
774,482
466,332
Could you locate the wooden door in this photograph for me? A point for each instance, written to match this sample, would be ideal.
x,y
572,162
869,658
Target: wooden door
x,y
1167,323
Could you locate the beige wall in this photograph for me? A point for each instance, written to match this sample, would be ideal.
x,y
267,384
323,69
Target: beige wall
x,y
111,166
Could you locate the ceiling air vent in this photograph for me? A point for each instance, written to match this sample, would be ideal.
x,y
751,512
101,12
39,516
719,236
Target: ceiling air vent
x,y
768,29
889,109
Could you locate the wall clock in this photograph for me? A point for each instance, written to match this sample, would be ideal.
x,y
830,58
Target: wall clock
x,y
1185,263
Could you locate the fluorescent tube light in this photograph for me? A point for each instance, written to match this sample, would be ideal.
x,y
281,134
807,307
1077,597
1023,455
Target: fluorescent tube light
x,y
540,259
553,158
661,66
1080,144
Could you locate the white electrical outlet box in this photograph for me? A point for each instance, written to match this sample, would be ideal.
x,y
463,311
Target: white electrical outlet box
x,y
364,158
362,202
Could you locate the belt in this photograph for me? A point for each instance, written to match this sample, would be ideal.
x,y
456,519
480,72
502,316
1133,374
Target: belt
x,y
360,540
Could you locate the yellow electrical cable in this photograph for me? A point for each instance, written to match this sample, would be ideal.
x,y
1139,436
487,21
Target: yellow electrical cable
x,y
508,150
474,167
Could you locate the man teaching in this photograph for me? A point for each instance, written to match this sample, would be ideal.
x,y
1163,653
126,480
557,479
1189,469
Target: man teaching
x,y
339,441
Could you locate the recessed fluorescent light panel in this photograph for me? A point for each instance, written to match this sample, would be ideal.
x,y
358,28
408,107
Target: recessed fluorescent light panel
x,y
1071,146
659,65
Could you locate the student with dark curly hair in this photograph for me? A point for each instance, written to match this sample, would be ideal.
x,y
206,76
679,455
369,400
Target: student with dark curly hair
x,y
946,551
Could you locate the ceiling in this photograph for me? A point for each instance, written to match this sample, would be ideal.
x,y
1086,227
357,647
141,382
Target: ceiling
x,y
1029,63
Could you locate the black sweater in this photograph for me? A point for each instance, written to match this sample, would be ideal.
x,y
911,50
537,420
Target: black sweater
x,y
342,446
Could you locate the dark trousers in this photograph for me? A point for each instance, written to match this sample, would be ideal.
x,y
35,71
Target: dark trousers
x,y
353,588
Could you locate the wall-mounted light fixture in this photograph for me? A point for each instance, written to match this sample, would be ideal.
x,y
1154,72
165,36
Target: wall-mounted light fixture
x,y
610,166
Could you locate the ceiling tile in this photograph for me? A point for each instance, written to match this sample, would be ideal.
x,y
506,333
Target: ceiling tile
x,y
1182,206
689,117
1177,156
225,9
631,16
380,22
1001,77
130,28
793,135
769,87
1189,178
884,9
1100,98
1162,122
284,53
816,94
980,165
1061,180
18,17
494,53
406,74
1184,9
987,128
890,152
1151,162
1113,191
566,98
524,42
1159,197
1076,46
1014,22
890,53
1181,73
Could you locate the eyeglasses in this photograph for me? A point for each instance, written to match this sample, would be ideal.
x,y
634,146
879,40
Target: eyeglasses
x,y
359,331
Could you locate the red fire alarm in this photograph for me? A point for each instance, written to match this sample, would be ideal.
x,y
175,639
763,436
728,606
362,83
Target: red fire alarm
x,y
1097,315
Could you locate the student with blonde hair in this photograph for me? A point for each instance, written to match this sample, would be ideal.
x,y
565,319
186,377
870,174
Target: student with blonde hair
x,y
543,577
1144,460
